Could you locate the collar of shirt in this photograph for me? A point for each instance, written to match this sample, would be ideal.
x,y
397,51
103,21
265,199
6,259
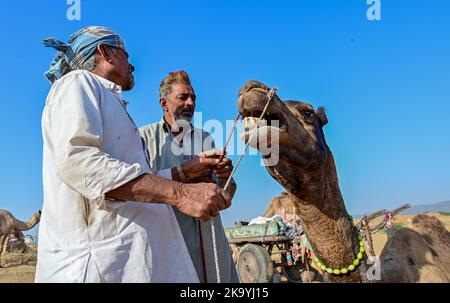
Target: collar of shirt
x,y
112,87
167,128
179,139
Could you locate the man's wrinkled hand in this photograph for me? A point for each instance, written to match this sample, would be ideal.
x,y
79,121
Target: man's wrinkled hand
x,y
202,200
222,170
199,168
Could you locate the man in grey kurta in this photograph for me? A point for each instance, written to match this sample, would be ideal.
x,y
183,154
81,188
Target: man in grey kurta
x,y
184,152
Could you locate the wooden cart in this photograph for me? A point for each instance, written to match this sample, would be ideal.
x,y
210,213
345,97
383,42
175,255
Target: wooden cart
x,y
258,250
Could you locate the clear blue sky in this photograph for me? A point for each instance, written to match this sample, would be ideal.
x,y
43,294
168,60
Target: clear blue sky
x,y
385,85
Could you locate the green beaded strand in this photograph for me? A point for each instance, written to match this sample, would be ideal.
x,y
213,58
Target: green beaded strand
x,y
347,269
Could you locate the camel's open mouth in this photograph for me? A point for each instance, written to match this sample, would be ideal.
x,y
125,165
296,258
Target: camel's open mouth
x,y
250,119
269,124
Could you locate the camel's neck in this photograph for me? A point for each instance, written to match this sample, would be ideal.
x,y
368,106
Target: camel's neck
x,y
328,226
22,226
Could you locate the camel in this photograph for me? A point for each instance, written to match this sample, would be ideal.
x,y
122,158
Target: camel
x,y
306,169
283,201
18,235
8,223
420,254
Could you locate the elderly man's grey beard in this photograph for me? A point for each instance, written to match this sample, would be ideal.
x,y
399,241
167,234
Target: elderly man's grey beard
x,y
183,118
130,83
180,123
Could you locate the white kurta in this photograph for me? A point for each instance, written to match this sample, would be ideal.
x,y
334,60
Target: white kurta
x,y
92,146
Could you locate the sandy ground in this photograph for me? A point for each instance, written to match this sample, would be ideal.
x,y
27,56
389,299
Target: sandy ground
x,y
20,268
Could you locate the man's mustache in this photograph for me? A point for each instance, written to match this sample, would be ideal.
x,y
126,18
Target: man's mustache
x,y
130,72
130,77
187,111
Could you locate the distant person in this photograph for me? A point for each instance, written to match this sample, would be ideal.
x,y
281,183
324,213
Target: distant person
x,y
106,217
173,143
13,241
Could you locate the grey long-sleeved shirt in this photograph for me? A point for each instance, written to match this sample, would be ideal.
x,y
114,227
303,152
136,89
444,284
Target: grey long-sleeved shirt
x,y
166,151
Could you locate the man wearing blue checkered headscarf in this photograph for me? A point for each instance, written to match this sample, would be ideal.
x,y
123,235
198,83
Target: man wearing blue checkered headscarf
x,y
106,217
82,45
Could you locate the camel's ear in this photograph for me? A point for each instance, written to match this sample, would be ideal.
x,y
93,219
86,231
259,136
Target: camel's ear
x,y
322,116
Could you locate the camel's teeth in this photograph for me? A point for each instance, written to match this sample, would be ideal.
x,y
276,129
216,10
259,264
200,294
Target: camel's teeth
x,y
244,122
250,122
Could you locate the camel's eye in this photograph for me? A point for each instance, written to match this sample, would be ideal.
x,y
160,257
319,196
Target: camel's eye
x,y
309,114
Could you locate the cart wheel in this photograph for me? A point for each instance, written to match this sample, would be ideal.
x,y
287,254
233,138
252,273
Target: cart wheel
x,y
299,274
254,264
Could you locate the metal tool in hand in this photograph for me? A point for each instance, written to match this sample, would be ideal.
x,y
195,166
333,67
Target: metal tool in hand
x,y
224,151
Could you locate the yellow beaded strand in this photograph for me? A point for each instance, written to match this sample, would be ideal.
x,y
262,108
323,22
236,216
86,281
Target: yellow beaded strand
x,y
347,269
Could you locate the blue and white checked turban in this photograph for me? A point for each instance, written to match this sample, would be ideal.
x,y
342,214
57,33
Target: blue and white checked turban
x,y
82,45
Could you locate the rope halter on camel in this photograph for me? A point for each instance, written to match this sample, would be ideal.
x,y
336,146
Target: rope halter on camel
x,y
270,95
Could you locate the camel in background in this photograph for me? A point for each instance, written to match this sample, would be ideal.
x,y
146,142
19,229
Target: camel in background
x,y
8,223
